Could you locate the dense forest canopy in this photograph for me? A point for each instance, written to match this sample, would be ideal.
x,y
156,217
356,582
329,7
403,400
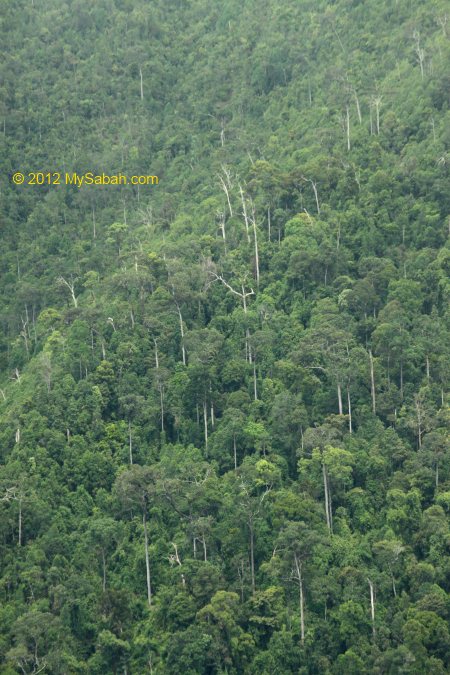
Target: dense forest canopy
x,y
224,398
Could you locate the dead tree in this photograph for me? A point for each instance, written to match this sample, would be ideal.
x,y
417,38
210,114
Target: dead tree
x,y
226,185
420,53
71,286
244,213
243,295
255,234
316,195
376,103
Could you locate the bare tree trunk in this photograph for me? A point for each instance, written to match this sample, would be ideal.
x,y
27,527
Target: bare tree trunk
x,y
244,213
298,567
401,378
348,129
242,295
358,109
142,83
372,607
161,399
244,301
255,234
20,522
156,354
350,428
205,424
372,383
377,103
339,393
130,443
420,55
252,554
224,187
183,350
394,589
255,387
147,560
420,418
330,506
316,195
325,489
71,286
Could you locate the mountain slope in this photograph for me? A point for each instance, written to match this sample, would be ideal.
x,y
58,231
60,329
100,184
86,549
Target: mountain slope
x,y
224,397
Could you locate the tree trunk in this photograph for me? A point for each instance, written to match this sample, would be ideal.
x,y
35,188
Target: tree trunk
x,y
244,213
298,566
252,554
130,442
225,189
255,234
20,522
183,350
348,129
325,489
211,407
358,108
372,607
161,397
372,383
156,354
147,560
330,506
350,428
205,424
248,354
316,195
339,393
142,83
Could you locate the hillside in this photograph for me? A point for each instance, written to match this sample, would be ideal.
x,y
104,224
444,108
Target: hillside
x,y
224,396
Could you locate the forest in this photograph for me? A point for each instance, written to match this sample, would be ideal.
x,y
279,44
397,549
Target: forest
x,y
224,394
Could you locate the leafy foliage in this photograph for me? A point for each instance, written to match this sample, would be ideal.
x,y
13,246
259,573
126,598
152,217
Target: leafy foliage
x,y
224,399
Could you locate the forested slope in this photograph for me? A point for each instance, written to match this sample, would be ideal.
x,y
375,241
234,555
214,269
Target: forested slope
x,y
224,403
